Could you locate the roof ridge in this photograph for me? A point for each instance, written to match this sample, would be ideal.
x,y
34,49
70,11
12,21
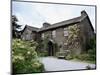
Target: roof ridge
x,y
67,22
31,26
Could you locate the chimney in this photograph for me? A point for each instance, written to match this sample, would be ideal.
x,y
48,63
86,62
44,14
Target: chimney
x,y
83,13
45,25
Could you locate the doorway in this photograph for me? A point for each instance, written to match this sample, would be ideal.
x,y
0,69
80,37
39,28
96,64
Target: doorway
x,y
50,49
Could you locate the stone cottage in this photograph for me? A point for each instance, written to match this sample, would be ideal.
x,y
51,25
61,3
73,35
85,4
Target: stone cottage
x,y
70,34
29,33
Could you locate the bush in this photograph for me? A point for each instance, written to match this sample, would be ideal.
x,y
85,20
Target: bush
x,y
69,57
85,57
82,57
42,53
90,55
92,49
24,57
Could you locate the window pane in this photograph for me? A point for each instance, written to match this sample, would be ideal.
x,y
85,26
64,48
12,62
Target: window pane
x,y
65,28
54,33
65,32
42,35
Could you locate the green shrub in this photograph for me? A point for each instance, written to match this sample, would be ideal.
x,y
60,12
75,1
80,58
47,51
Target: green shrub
x,y
82,57
69,57
90,55
91,46
24,57
43,53
85,57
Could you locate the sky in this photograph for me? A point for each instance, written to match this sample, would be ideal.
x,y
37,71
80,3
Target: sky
x,y
35,14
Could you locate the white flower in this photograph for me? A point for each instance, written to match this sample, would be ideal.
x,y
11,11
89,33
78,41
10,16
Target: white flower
x,y
28,52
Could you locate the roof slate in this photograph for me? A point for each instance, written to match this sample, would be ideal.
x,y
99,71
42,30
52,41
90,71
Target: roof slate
x,y
60,24
32,28
66,22
63,23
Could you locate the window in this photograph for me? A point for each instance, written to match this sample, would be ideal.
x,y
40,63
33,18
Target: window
x,y
28,37
23,37
65,32
54,34
42,36
65,43
65,46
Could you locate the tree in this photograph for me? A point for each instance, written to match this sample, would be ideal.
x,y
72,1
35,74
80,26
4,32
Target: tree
x,y
15,26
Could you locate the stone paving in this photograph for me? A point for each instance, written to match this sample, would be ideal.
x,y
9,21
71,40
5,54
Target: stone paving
x,y
54,64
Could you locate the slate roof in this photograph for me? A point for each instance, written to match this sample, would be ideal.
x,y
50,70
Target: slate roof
x,y
32,28
66,22
62,23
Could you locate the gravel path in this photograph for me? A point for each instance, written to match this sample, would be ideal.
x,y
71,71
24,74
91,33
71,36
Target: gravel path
x,y
54,64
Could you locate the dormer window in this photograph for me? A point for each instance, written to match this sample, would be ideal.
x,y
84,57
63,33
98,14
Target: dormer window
x,y
65,32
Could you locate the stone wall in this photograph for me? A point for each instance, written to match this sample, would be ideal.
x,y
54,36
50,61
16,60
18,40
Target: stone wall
x,y
76,41
86,33
28,35
70,42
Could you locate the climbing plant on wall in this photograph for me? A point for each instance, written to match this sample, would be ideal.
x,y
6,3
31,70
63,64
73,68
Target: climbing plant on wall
x,y
73,37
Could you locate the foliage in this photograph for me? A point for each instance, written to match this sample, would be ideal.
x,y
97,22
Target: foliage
x,y
72,42
42,47
24,57
82,57
45,42
92,48
91,43
42,53
15,26
73,37
69,57
91,51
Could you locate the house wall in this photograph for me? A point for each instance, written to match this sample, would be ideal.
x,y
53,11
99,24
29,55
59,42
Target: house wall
x,y
59,37
62,41
76,45
28,35
72,42
86,33
79,35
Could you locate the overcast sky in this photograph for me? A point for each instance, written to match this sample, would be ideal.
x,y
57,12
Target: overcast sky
x,y
35,14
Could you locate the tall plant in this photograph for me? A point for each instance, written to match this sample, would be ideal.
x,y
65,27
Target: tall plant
x,y
73,36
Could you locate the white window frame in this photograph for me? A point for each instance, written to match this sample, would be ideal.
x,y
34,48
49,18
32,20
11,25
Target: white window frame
x,y
65,32
42,35
54,33
65,43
